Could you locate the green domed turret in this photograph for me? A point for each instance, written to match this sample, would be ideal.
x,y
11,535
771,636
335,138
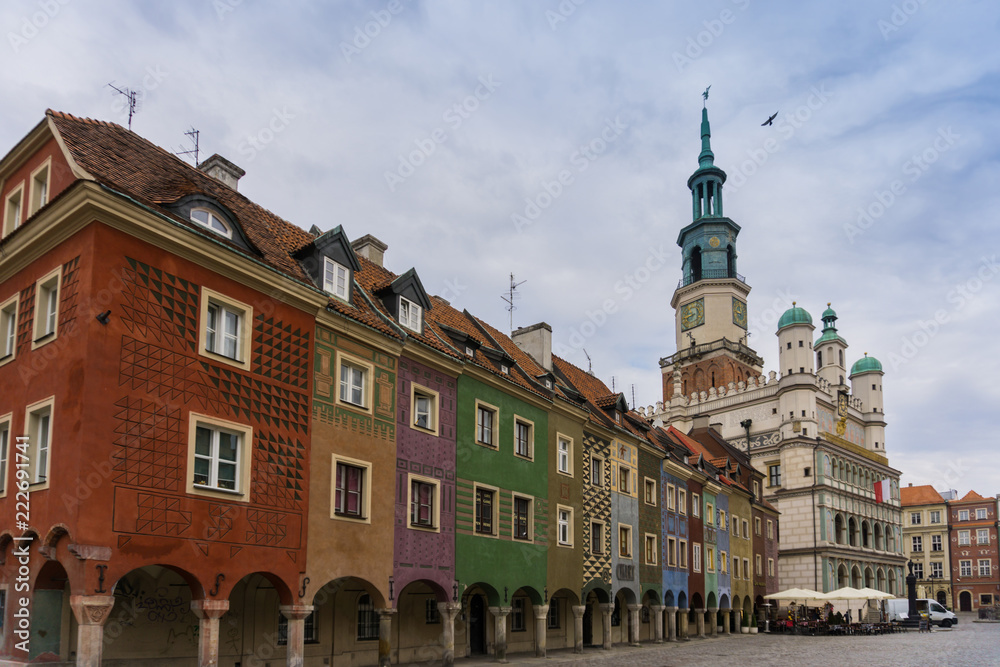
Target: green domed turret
x,y
866,365
829,328
794,315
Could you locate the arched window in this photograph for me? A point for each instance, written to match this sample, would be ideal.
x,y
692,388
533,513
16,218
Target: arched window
x,y
841,358
206,218
819,359
696,264
367,619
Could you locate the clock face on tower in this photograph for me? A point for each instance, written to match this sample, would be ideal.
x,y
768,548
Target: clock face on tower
x,y
739,313
692,314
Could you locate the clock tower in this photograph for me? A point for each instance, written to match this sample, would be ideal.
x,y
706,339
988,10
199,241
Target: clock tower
x,y
711,299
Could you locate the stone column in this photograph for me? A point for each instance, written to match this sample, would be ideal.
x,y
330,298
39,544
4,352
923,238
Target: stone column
x,y
296,615
385,637
91,613
578,611
657,622
448,611
633,624
606,609
726,618
500,630
682,631
208,613
671,624
713,627
541,615
699,618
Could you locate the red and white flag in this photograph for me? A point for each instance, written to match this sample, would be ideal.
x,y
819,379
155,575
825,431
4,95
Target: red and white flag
x,y
882,491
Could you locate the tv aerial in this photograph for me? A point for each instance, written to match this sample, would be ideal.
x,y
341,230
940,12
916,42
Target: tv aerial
x,y
130,97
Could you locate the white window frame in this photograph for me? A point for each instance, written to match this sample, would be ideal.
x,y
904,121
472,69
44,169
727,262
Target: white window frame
x,y
9,311
435,526
981,513
12,216
682,500
244,460
915,518
985,569
367,381
759,565
936,543
770,529
695,505
564,527
746,529
647,497
411,315
626,543
982,535
531,517
564,458
770,567
696,556
366,490
937,569
495,518
494,434
646,549
599,533
529,426
6,443
36,199
746,569
332,272
935,516
432,397
965,568
45,327
963,515
916,543
225,304
39,447
227,230
964,538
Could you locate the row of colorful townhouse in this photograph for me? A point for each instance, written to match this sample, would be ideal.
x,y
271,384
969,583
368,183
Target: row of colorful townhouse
x,y
226,441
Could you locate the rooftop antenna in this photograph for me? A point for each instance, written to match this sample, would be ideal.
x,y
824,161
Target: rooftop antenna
x,y
590,364
193,134
130,97
509,298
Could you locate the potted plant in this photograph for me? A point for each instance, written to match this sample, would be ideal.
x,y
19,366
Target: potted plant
x,y
745,629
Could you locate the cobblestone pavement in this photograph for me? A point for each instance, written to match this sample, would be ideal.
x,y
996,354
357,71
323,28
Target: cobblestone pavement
x,y
967,644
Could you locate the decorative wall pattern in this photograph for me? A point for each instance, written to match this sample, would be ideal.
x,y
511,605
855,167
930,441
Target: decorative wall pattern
x,y
150,445
596,507
159,306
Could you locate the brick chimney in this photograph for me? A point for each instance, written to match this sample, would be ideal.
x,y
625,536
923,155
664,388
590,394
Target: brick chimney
x,y
536,341
370,248
222,170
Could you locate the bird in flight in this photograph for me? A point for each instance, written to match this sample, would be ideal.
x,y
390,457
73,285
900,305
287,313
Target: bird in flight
x,y
770,120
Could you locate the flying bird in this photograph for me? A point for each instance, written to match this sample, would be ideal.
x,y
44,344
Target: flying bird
x,y
770,120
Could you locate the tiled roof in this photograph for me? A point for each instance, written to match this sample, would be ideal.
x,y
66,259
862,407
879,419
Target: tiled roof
x,y
606,401
972,496
599,397
919,495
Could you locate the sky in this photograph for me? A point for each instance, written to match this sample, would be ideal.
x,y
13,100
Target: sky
x,y
552,140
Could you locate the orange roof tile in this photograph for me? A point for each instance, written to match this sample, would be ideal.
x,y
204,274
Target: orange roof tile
x,y
919,495
972,496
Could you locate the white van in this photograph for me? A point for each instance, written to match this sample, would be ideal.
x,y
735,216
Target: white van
x,y
898,609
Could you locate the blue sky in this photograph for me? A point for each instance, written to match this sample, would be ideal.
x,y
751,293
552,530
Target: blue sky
x,y
553,140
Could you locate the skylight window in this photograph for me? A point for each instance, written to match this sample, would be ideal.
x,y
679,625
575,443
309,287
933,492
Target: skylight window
x,y
206,218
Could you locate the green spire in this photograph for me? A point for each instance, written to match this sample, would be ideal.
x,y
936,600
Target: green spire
x,y
707,157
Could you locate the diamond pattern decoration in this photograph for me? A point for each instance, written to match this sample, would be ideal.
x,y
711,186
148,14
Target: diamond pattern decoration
x,y
159,305
281,353
150,445
596,506
266,528
160,515
220,521
279,472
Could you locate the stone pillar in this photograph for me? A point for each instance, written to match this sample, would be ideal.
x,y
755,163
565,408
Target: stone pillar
x,y
448,611
296,615
606,609
385,637
699,618
91,613
657,622
541,615
713,627
633,624
500,631
727,617
682,631
208,613
578,611
671,624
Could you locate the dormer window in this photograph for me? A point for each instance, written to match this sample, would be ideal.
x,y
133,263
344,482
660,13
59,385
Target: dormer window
x,y
335,279
468,351
206,218
410,314
618,417
505,368
548,383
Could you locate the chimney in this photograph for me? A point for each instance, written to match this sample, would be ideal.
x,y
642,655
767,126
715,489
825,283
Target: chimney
x,y
370,248
701,421
536,341
222,170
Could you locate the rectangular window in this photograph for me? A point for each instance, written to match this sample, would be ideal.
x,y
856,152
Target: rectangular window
x,y
735,523
368,620
649,492
597,471
597,538
682,501
722,520
424,407
770,529
756,490
746,529
39,188
486,424
353,384
349,491
757,566
554,615
746,568
4,452
39,420
217,458
984,567
47,308
937,570
696,557
935,516
695,505
410,315
625,541
8,329
963,538
756,526
422,505
564,455
517,615
724,561
651,549
963,515
564,526
914,518
918,543
935,543
770,567
982,536
709,514
335,279
682,554
965,568
774,475
225,329
671,552
918,570
985,600
980,514
12,210
523,436
709,559
624,479
485,508
671,490
432,615
309,629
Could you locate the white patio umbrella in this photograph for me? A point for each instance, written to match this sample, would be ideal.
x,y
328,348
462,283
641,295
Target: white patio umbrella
x,y
872,594
845,593
795,594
